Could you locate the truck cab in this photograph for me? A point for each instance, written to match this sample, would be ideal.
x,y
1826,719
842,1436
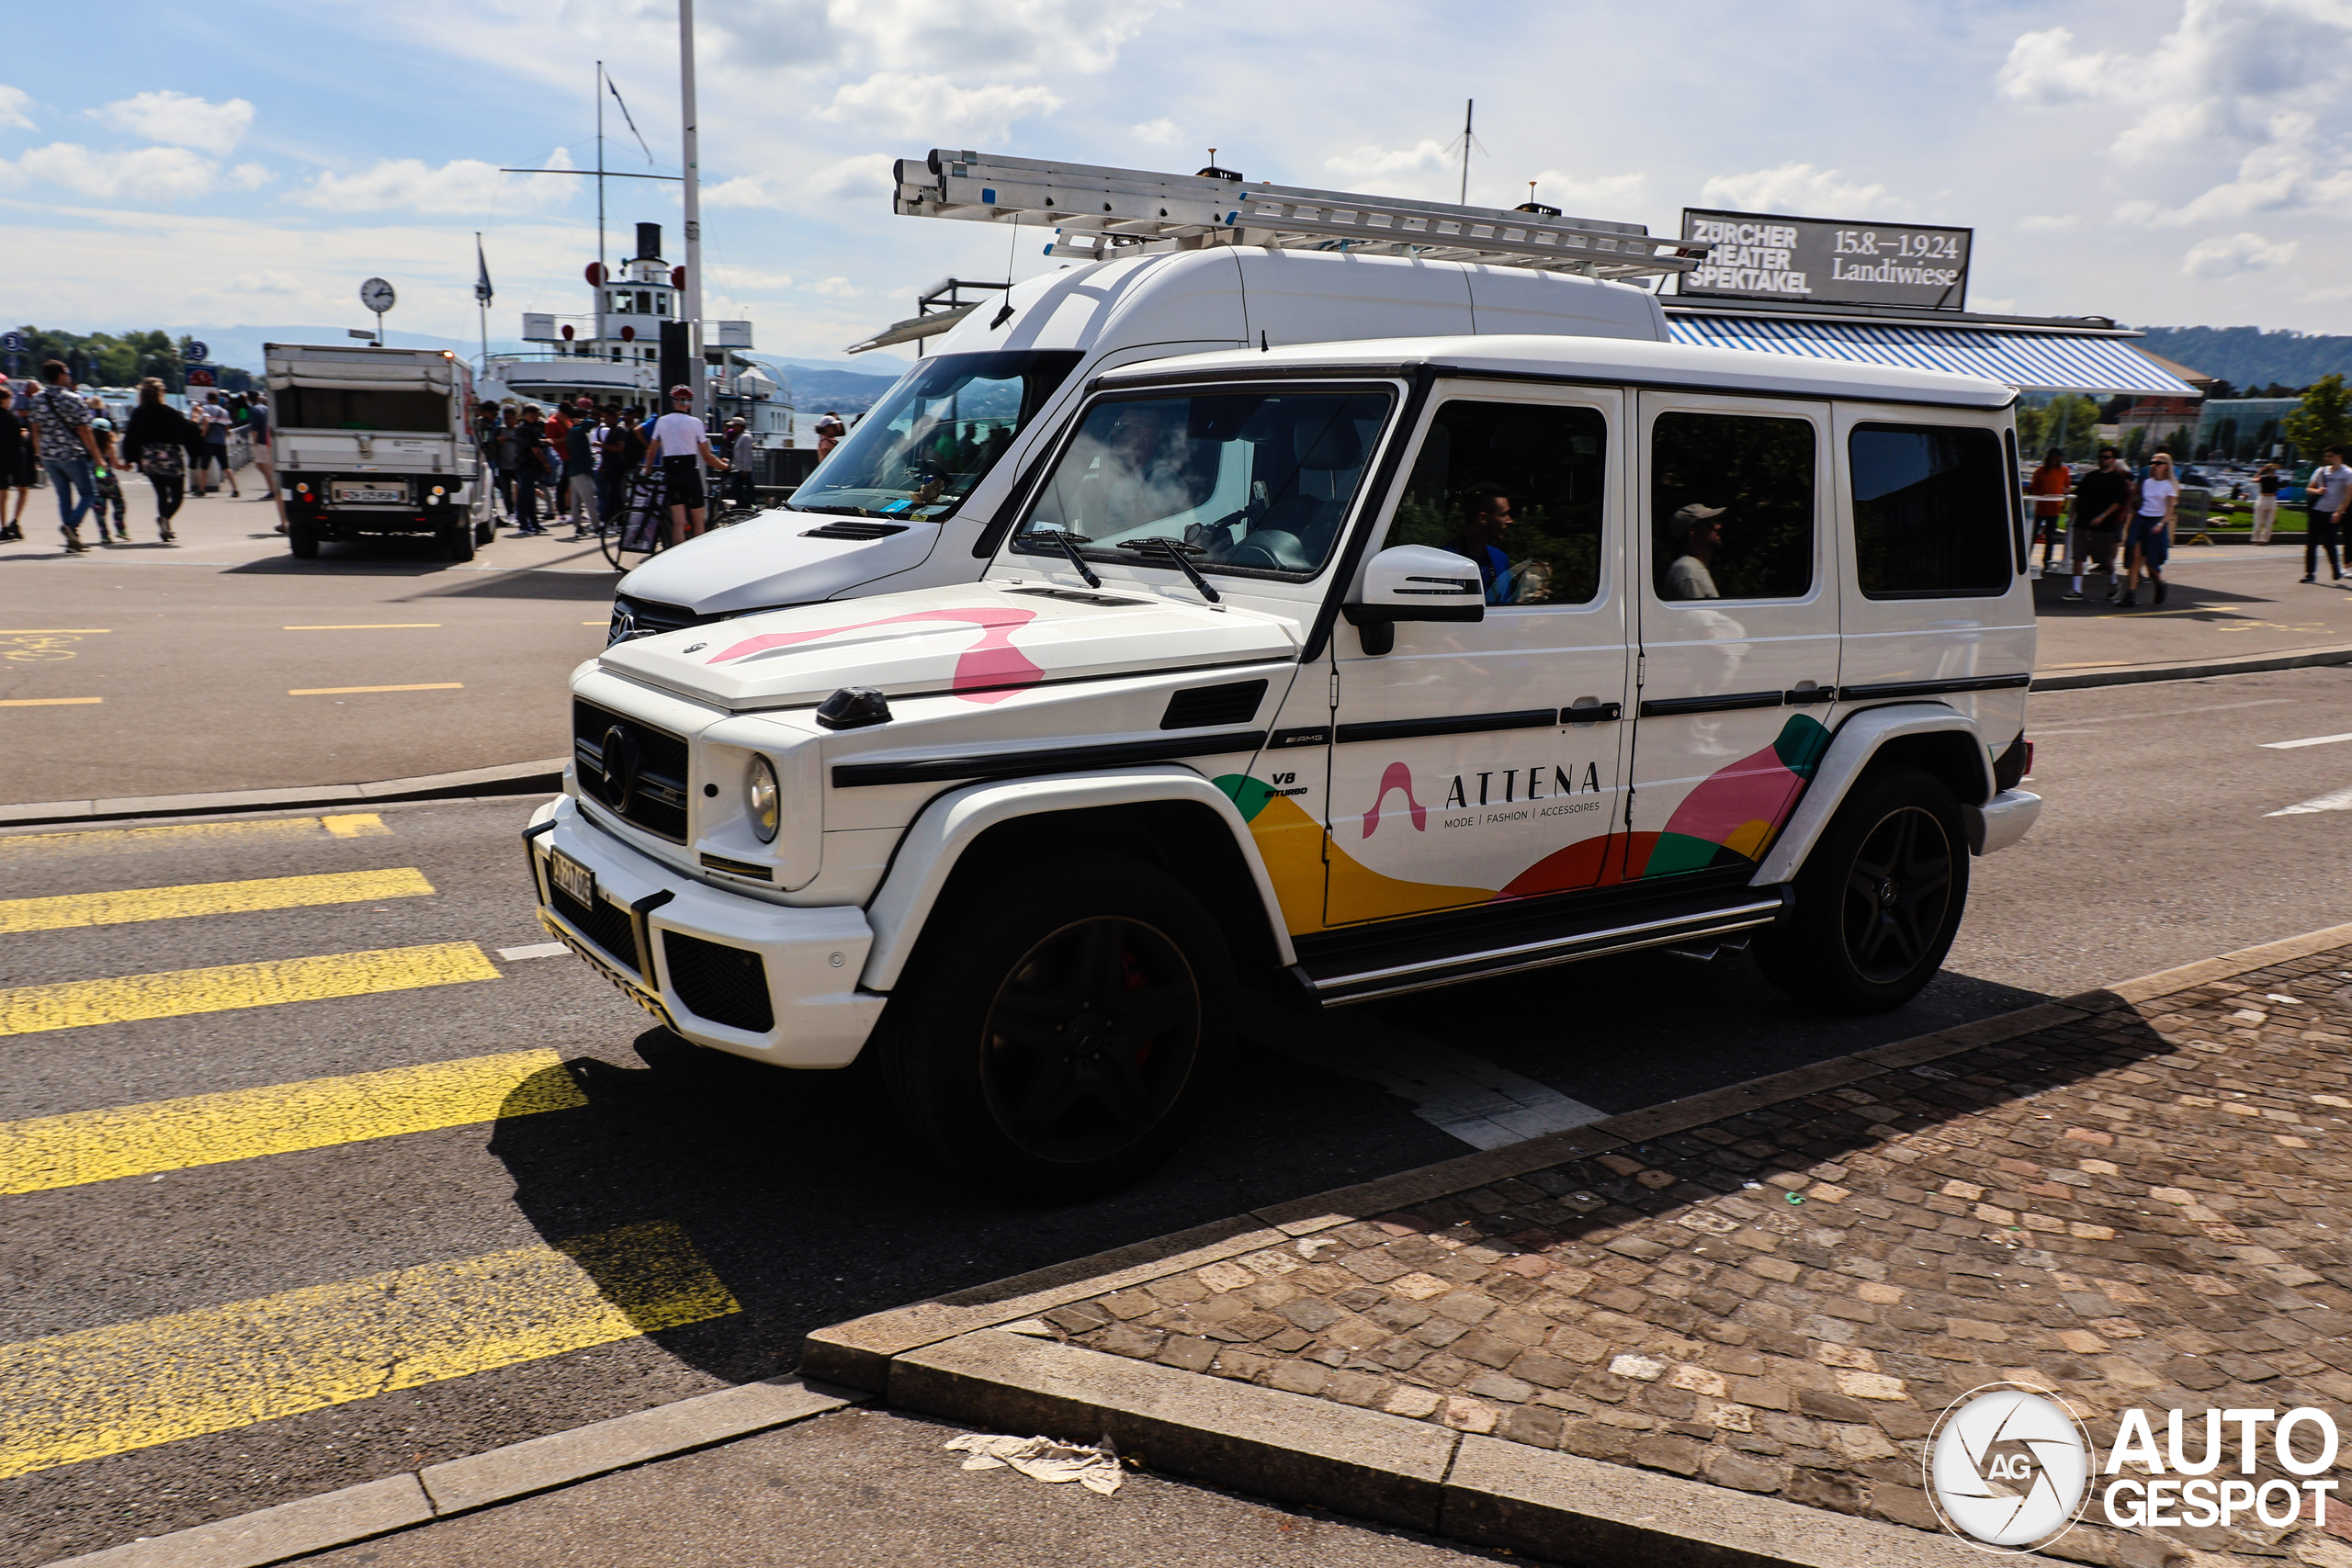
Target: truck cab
x,y
377,441
1334,672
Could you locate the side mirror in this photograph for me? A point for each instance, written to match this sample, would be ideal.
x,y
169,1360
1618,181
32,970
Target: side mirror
x,y
1414,582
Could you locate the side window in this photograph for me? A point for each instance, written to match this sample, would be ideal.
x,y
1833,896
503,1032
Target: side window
x,y
1517,488
1931,512
1731,506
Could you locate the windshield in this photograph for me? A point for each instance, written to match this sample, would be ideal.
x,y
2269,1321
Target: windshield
x,y
1244,481
933,434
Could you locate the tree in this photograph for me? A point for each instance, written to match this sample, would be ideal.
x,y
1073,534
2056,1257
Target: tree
x,y
2225,439
2323,418
2135,442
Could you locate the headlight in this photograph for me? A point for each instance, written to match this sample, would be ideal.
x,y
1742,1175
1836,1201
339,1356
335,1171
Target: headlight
x,y
760,798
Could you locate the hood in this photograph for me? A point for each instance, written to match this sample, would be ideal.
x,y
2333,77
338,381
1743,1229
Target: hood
x,y
778,558
982,643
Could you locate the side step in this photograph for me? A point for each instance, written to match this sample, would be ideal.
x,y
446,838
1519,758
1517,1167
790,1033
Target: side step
x,y
1335,981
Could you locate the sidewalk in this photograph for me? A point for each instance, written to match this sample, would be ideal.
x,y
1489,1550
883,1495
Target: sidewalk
x,y
2231,603
1749,1308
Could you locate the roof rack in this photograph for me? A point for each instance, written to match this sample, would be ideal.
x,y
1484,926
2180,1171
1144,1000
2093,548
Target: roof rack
x,y
1102,212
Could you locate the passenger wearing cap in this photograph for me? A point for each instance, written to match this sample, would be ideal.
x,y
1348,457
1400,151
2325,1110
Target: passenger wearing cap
x,y
1698,534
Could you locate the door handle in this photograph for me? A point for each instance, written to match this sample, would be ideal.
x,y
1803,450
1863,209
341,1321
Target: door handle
x,y
1798,697
1596,712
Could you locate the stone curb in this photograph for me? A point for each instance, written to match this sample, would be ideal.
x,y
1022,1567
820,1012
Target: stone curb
x,y
511,778
438,1492
945,1357
1556,1508
2133,674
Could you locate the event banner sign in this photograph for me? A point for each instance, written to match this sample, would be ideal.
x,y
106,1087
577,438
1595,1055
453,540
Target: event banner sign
x,y
1762,255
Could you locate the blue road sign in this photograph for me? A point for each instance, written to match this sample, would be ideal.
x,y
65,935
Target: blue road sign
x,y
194,352
12,343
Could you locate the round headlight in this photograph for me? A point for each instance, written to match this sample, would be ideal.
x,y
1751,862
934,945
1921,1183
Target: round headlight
x,y
761,799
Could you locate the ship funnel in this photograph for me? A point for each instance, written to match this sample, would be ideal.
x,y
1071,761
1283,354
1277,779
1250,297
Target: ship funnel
x,y
649,241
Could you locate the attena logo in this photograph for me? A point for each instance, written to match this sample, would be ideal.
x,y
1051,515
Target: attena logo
x,y
1397,776
2007,1467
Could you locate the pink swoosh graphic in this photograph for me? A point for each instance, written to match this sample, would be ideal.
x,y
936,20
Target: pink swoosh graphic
x,y
1397,776
991,662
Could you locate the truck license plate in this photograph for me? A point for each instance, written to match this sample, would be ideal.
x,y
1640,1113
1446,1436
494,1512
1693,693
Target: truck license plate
x,y
573,879
363,494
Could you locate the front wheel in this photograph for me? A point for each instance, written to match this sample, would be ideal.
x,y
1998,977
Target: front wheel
x,y
1060,1033
1879,899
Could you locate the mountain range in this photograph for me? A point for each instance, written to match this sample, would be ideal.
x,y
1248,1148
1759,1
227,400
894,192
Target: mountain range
x,y
2248,357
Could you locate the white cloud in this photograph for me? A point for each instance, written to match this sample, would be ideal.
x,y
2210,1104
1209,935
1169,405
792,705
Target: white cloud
x,y
909,104
1371,163
251,176
744,190
1161,132
147,173
2044,68
1605,196
1027,36
2051,220
1802,190
461,186
14,102
746,277
860,176
181,120
2228,256
268,281
839,287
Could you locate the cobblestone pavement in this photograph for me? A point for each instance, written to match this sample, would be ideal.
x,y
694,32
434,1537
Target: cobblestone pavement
x,y
2142,1206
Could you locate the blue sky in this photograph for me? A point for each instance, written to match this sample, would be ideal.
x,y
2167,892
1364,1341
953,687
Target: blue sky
x,y
2174,161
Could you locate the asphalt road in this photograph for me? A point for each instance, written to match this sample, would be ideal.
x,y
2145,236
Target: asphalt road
x,y
727,1209
193,653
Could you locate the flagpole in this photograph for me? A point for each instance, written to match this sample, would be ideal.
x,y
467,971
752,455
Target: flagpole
x,y
699,379
481,299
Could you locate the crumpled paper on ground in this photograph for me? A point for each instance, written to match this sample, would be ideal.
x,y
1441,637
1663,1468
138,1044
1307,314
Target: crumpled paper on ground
x,y
1042,1459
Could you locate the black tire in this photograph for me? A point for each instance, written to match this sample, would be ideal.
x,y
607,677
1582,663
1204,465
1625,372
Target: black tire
x,y
1878,901
457,543
1006,1048
486,528
302,538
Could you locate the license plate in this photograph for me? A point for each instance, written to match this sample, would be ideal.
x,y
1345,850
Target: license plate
x,y
574,880
363,494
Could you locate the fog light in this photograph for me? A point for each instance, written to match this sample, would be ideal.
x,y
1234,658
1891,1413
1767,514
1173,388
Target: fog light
x,y
761,799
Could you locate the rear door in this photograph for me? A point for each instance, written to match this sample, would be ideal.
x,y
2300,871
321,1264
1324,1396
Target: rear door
x,y
1738,623
1454,780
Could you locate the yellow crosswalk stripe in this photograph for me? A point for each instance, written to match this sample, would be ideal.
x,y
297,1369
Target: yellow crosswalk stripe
x,y
108,1390
69,910
82,1147
184,835
49,702
78,1004
339,690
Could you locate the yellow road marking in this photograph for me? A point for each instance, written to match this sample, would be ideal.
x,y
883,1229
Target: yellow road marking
x,y
372,626
211,1129
108,1390
47,702
57,631
78,1004
67,911
180,835
339,690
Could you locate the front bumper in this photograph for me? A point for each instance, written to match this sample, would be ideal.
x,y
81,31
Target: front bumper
x,y
2001,821
803,990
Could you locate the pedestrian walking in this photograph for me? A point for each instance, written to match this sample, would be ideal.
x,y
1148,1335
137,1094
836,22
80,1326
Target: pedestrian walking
x,y
2102,503
107,485
508,424
68,453
2265,502
742,457
682,446
16,464
2050,486
2331,491
2149,540
162,441
622,450
580,476
257,430
216,434
530,464
830,431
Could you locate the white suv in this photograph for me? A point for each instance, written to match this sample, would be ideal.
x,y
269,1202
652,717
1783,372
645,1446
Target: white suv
x,y
1337,672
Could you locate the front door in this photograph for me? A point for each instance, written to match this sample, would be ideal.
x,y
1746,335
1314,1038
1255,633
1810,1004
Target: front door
x,y
1738,624
1453,781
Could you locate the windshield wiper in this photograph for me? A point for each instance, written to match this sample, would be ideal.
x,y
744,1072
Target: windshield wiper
x,y
1176,550
1070,543
833,511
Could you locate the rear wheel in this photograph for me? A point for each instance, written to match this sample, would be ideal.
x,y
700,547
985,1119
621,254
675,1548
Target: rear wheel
x,y
1879,899
1059,1035
302,538
457,543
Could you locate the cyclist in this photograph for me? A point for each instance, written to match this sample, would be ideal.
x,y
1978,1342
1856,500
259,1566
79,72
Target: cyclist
x,y
682,446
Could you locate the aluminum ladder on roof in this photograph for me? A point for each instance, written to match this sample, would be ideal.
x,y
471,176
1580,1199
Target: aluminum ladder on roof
x,y
1102,212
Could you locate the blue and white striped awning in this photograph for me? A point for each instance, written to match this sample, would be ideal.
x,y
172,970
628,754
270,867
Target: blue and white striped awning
x,y
2032,362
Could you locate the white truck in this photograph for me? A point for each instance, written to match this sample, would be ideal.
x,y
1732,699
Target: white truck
x,y
1330,670
377,441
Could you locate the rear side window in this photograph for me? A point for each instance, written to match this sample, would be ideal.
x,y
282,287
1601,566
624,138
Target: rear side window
x,y
1931,513
343,407
1517,488
1731,506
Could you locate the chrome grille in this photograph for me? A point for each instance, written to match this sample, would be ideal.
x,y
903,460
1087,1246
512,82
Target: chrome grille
x,y
647,784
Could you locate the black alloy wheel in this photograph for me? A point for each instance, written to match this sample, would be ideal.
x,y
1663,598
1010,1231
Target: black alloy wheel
x,y
1896,890
1090,1041
1878,900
